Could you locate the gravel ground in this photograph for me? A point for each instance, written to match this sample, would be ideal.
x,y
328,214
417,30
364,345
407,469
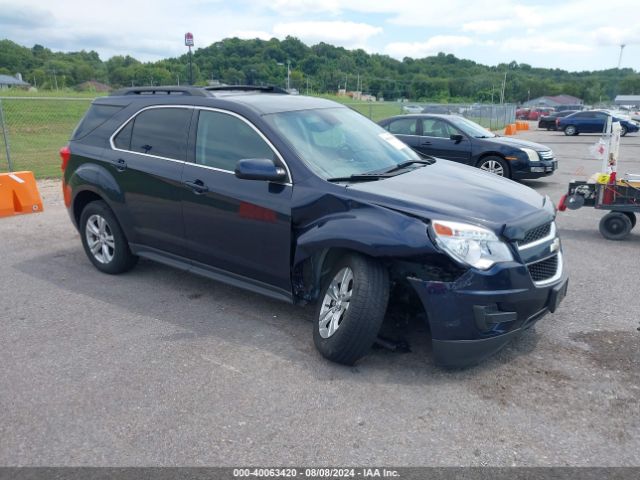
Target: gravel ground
x,y
158,368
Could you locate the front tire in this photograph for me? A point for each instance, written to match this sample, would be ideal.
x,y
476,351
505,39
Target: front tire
x,y
570,130
623,130
352,305
103,239
615,226
495,165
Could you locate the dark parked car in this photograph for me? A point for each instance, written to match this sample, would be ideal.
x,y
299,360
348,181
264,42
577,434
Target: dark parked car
x,y
456,138
549,121
593,121
307,201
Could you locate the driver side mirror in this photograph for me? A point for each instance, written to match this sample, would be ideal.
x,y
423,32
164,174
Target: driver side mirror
x,y
259,169
456,137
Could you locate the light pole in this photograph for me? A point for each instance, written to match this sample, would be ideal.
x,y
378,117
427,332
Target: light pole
x,y
288,73
620,57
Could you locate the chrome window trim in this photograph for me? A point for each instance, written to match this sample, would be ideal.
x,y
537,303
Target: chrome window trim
x,y
552,234
197,107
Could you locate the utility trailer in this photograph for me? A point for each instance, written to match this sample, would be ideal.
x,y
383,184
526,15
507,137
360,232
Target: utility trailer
x,y
605,191
622,199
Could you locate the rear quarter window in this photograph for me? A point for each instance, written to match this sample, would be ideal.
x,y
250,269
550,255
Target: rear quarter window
x,y
95,116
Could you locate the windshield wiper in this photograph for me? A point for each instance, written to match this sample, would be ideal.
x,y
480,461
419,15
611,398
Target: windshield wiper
x,y
484,136
360,177
406,164
378,174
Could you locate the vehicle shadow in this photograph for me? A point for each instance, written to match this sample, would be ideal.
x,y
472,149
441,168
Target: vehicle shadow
x,y
200,308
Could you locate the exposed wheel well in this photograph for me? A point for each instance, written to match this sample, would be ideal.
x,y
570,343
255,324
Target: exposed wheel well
x,y
81,201
311,272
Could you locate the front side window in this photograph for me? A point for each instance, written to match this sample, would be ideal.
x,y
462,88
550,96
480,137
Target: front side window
x,y
158,131
433,127
223,139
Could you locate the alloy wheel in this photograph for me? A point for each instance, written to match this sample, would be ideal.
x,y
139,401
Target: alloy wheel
x,y
336,302
100,239
493,166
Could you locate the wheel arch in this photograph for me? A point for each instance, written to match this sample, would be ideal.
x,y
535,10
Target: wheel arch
x,y
92,182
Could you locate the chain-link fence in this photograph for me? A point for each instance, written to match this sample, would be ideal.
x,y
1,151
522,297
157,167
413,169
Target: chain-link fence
x,y
34,129
493,117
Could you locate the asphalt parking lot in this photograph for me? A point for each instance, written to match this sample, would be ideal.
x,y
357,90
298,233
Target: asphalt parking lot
x,y
157,367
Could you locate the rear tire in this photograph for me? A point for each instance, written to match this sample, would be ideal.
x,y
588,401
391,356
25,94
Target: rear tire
x,y
570,130
615,226
103,239
623,130
351,309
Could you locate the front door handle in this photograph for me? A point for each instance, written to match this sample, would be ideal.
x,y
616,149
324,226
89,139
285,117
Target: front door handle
x,y
425,144
197,186
121,165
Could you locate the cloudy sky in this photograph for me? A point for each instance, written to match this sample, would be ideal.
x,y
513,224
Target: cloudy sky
x,y
568,34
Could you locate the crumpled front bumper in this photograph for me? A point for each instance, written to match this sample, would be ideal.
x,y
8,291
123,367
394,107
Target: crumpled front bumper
x,y
479,313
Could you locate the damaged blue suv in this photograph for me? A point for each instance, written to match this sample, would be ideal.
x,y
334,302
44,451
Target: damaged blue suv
x,y
307,201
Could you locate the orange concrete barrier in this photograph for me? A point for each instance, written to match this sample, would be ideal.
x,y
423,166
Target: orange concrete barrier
x,y
521,125
19,194
511,129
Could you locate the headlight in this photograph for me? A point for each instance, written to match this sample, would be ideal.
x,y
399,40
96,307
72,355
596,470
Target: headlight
x,y
469,244
532,154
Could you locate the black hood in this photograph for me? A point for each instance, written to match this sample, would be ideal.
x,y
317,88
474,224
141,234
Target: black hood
x,y
516,143
450,191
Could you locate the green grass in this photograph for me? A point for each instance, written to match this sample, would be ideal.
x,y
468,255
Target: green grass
x,y
37,128
376,111
64,93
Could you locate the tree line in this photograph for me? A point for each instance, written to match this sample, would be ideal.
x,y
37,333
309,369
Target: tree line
x,y
320,68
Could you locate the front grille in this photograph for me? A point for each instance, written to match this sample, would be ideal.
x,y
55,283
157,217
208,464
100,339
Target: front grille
x,y
546,155
544,269
535,234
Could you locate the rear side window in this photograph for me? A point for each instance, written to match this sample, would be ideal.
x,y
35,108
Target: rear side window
x,y
404,126
158,131
223,139
95,116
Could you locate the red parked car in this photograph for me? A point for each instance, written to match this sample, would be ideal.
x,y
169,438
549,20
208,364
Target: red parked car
x,y
536,113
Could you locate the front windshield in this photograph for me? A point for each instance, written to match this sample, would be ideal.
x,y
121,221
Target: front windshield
x,y
338,142
471,128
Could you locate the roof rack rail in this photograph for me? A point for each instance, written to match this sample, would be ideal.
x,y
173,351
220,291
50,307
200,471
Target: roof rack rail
x,y
164,90
246,88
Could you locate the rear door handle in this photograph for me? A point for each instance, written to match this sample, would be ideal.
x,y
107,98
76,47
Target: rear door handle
x,y
197,186
121,165
425,144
